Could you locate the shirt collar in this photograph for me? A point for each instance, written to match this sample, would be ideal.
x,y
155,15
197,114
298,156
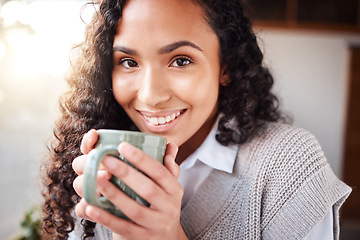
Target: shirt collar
x,y
213,154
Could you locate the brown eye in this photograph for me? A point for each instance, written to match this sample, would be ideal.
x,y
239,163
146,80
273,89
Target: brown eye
x,y
128,63
181,62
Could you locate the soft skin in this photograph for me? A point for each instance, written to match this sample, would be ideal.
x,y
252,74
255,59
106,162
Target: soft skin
x,y
166,56
166,68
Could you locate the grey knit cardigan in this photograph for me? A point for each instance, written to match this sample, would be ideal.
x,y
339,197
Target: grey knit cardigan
x,y
281,187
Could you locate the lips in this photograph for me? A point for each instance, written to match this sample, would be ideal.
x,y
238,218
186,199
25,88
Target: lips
x,y
161,120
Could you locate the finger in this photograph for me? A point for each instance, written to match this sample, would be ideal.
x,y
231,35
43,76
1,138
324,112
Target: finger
x,y
78,164
135,229
151,167
138,182
172,150
137,212
169,160
144,162
155,187
80,209
126,228
102,176
88,142
77,185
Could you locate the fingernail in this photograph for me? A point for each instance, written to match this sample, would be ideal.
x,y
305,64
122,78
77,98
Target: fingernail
x,y
104,174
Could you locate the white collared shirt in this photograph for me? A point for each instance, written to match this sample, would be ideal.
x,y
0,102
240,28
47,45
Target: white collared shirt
x,y
197,167
212,155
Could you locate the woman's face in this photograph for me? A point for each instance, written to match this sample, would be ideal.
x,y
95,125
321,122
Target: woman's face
x,y
167,69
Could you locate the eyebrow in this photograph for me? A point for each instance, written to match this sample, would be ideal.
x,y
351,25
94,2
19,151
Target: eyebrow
x,y
164,50
173,46
125,50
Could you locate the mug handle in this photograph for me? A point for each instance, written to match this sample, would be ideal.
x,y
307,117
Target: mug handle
x,y
90,176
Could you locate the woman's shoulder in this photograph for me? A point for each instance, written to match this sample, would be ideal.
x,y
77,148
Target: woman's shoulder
x,y
282,146
282,132
286,140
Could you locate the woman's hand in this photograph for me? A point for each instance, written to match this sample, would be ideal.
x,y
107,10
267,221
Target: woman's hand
x,y
160,188
88,143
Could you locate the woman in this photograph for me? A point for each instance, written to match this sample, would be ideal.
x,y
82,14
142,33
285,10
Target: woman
x,y
190,71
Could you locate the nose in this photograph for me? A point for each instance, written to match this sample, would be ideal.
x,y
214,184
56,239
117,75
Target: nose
x,y
153,89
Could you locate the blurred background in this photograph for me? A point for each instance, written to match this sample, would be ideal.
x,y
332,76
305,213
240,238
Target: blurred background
x,y
36,38
312,48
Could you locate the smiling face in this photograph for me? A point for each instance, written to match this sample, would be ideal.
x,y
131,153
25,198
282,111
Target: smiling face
x,y
167,69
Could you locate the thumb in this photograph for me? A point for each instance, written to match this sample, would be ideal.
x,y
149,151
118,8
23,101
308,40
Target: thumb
x,y
88,142
169,159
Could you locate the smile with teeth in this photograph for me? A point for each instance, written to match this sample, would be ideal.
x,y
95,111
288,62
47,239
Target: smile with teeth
x,y
162,120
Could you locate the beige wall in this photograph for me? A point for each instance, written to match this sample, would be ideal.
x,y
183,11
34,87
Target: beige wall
x,y
311,75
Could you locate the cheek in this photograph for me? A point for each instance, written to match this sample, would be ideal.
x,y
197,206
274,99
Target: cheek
x,y
121,96
201,90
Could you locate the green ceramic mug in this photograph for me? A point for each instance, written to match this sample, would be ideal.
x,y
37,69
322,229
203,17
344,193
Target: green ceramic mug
x,y
107,144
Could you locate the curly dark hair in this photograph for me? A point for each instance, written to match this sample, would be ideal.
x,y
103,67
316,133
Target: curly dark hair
x,y
90,104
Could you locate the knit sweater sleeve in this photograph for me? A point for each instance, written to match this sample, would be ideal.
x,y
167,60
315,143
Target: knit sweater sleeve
x,y
298,186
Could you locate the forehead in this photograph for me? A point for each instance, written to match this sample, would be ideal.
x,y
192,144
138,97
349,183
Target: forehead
x,y
162,19
161,9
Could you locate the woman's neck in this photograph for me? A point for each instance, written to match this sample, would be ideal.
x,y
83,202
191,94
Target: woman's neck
x,y
190,146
